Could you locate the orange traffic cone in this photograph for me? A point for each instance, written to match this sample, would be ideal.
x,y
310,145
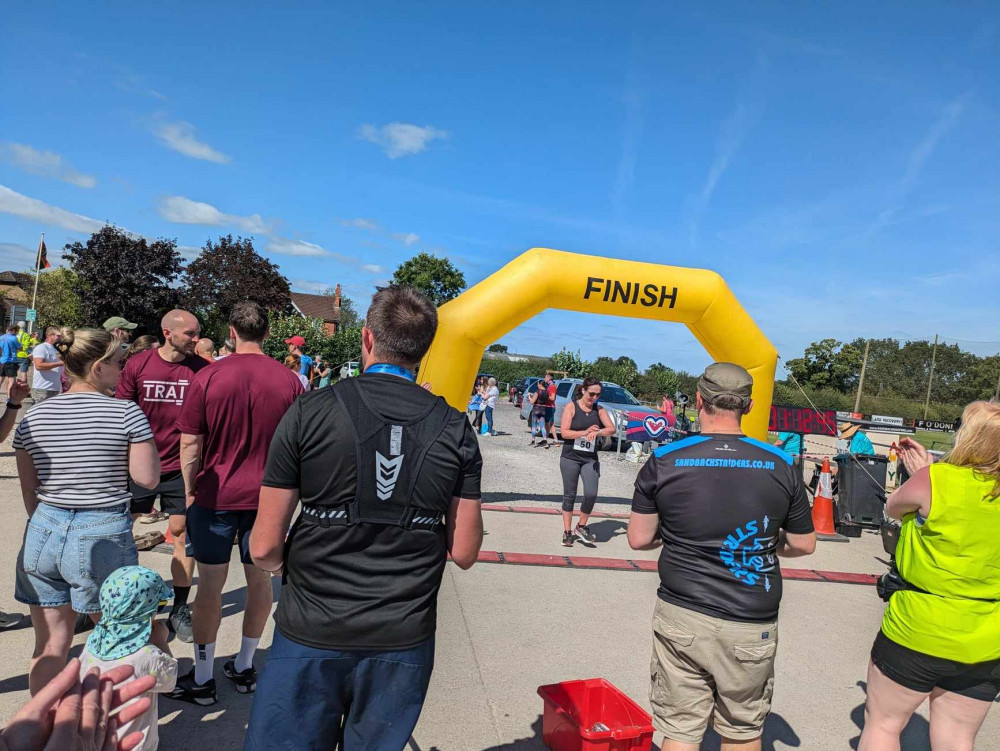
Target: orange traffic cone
x,y
170,537
822,510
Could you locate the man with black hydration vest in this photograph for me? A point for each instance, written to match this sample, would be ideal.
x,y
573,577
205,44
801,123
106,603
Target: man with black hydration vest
x,y
389,480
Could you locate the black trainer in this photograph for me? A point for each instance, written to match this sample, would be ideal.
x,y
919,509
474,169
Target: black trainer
x,y
584,533
83,623
568,539
245,682
189,691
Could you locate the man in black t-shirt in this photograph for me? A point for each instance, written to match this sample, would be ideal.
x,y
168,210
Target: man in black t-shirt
x,y
389,479
723,506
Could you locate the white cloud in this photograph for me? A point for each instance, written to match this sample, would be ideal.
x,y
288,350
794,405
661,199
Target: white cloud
x,y
372,268
185,211
368,224
948,119
401,139
47,164
188,252
180,136
12,202
734,132
310,285
290,247
16,257
407,238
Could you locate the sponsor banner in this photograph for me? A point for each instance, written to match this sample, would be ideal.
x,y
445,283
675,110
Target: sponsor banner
x,y
899,429
848,415
643,426
886,420
945,427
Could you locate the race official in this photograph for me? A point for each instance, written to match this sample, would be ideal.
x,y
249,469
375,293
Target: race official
x,y
723,506
158,380
389,479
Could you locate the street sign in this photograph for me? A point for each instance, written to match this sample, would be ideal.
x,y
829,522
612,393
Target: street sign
x,y
32,313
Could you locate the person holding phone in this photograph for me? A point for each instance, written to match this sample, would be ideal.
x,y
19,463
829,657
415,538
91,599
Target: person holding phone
x,y
583,422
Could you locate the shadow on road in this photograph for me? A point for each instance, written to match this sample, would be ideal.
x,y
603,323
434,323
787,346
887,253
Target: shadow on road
x,y
915,736
776,730
514,498
188,727
606,530
531,743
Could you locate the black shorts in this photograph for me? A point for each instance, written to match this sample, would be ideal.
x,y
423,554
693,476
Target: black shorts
x,y
170,490
211,534
9,369
921,672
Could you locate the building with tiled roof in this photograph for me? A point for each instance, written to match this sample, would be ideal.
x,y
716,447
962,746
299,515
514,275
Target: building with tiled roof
x,y
324,307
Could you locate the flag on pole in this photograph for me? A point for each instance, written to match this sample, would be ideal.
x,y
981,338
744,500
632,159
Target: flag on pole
x,y
42,260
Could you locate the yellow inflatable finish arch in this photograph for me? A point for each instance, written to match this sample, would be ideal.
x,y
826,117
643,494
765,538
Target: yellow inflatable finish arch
x,y
542,278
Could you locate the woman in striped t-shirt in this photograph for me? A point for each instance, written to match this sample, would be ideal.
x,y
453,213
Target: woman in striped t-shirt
x,y
75,453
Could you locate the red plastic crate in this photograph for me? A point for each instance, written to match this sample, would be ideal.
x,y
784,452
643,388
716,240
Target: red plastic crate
x,y
573,707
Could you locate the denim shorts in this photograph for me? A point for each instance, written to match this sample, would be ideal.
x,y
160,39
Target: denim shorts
x,y
68,553
22,365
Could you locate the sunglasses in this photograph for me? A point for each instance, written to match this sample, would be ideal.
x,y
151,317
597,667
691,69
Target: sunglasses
x,y
593,394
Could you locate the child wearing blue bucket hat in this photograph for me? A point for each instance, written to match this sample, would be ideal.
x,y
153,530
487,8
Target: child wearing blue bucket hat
x,y
126,635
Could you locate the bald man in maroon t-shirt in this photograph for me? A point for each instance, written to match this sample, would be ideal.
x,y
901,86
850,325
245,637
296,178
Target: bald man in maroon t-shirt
x,y
157,380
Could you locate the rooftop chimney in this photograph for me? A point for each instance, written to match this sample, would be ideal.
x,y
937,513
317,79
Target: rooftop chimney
x,y
336,298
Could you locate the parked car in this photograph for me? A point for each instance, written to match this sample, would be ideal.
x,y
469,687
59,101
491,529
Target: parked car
x,y
521,387
616,400
350,369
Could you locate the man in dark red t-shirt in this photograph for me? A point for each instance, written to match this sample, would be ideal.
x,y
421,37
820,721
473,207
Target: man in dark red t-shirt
x,y
229,417
158,380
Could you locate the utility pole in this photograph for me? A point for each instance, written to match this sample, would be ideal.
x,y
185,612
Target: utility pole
x,y
930,381
861,380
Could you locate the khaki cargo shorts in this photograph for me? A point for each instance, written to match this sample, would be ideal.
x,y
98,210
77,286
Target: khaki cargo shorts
x,y
703,665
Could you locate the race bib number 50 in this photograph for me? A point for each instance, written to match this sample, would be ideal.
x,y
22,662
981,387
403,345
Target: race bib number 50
x,y
582,444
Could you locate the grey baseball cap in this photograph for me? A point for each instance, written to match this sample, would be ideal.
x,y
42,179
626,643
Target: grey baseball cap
x,y
725,379
117,322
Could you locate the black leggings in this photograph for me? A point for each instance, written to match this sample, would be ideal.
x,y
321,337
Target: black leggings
x,y
572,470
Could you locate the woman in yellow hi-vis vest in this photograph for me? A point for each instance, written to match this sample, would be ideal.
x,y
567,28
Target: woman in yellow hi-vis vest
x,y
940,634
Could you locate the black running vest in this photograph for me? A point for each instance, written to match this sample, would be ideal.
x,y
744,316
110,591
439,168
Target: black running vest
x,y
389,457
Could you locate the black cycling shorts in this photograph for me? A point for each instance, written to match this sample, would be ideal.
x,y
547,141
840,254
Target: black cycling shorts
x,y
173,501
922,672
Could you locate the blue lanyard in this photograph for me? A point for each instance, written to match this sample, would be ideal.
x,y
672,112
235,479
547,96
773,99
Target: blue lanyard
x,y
392,370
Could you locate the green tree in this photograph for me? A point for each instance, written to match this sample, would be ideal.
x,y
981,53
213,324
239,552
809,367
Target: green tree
x,y
119,274
827,363
229,271
497,348
286,325
627,362
58,303
344,346
571,363
436,277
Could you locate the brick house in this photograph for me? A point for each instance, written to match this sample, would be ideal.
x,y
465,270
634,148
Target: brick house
x,y
324,307
15,296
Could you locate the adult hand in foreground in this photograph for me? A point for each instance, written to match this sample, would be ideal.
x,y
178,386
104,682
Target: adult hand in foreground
x,y
19,391
69,716
915,457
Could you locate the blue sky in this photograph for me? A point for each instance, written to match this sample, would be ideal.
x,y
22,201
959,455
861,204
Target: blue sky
x,y
840,167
